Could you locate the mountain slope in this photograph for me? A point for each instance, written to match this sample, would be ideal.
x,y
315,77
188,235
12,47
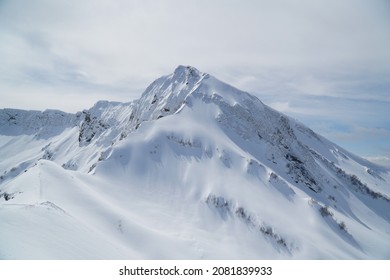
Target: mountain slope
x,y
193,169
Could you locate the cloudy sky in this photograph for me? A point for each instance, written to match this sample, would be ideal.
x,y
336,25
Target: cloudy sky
x,y
326,63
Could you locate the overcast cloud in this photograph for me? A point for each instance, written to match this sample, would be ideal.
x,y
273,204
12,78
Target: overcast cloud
x,y
326,63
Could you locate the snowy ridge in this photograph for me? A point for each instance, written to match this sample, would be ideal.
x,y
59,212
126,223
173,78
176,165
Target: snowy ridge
x,y
43,124
195,165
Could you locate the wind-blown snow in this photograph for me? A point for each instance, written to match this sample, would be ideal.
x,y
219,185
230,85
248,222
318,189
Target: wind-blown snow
x,y
193,169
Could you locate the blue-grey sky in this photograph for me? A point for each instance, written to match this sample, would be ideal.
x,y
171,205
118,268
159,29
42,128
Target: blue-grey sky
x,y
326,63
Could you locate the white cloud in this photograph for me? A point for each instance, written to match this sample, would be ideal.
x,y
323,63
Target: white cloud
x,y
112,40
381,160
283,107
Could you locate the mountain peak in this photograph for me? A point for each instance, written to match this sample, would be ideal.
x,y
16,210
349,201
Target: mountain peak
x,y
186,74
186,70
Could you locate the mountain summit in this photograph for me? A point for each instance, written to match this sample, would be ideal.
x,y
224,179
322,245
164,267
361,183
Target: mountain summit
x,y
193,169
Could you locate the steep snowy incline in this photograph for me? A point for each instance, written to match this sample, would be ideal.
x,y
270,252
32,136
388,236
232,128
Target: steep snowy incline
x,y
195,168
252,165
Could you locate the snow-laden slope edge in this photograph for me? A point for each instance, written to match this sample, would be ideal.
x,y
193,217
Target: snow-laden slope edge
x,y
198,166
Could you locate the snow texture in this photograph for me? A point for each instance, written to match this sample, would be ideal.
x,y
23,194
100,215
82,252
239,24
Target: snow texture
x,y
193,169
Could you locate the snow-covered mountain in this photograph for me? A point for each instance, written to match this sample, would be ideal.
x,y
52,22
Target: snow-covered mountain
x,y
193,169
